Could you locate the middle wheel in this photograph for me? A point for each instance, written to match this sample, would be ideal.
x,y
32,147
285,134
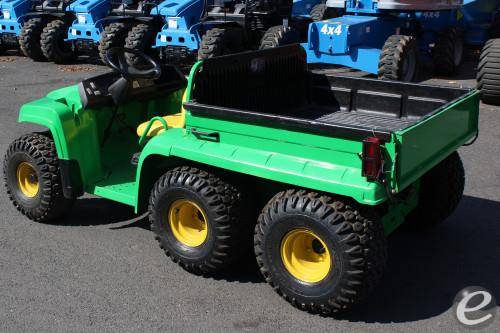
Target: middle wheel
x,y
198,220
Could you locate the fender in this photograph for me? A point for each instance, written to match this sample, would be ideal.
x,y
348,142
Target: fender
x,y
74,132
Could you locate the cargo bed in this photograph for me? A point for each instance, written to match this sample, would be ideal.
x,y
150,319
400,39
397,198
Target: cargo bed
x,y
272,91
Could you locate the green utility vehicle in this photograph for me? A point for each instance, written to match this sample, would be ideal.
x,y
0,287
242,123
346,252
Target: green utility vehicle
x,y
253,151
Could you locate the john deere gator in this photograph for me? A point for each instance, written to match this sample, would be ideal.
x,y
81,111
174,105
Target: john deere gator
x,y
253,152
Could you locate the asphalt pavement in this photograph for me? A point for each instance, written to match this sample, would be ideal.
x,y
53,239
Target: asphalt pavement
x,y
101,270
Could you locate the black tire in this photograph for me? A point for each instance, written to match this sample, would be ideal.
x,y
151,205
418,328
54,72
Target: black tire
x,y
220,41
357,242
140,38
319,12
52,42
278,36
441,190
39,151
2,48
399,59
448,53
488,75
114,35
224,218
29,39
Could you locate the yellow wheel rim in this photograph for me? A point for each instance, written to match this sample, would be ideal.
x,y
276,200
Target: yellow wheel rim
x,y
305,256
27,179
188,222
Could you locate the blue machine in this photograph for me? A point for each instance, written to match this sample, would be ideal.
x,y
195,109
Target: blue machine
x,y
185,22
12,17
104,24
85,31
179,36
389,38
22,23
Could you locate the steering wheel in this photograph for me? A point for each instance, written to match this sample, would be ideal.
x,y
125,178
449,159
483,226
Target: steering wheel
x,y
116,58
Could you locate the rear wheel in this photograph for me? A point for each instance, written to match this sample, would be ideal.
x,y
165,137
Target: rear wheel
x,y
399,59
140,38
320,254
53,45
29,39
32,177
198,220
220,41
448,52
488,75
278,36
114,35
441,190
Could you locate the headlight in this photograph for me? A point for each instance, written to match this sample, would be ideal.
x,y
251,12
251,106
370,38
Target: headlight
x,y
82,19
172,24
6,14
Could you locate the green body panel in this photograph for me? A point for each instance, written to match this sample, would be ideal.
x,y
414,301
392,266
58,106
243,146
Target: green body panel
x,y
422,146
74,132
314,167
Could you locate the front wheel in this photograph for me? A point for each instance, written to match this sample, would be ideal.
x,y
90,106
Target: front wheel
x,y
399,59
32,177
53,45
320,254
199,220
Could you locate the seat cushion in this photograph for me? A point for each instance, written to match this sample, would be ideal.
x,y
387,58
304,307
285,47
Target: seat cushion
x,y
177,120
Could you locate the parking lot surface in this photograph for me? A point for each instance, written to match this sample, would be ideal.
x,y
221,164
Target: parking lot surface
x,y
101,270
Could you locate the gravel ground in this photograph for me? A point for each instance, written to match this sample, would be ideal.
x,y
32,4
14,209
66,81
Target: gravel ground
x,y
101,270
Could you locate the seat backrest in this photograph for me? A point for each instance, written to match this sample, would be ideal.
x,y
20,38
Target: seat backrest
x,y
267,81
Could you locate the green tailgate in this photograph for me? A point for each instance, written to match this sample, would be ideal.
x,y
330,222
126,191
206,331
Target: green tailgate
x,y
425,144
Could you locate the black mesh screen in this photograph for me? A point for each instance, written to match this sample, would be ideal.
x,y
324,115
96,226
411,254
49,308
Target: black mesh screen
x,y
270,81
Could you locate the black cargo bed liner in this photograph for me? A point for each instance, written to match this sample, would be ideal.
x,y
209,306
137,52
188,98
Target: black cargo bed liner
x,y
274,88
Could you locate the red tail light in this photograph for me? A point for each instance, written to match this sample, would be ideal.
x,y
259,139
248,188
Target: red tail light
x,y
372,158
